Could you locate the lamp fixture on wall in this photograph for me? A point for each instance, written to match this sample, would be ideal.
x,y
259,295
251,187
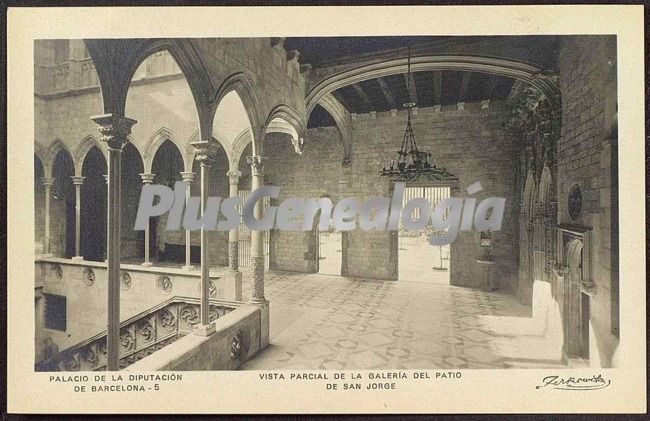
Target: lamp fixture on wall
x,y
411,164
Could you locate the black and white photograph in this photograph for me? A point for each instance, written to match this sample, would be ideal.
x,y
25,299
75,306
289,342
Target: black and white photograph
x,y
341,213
531,118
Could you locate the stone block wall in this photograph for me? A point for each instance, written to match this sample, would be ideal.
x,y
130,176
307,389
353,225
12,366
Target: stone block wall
x,y
470,143
587,155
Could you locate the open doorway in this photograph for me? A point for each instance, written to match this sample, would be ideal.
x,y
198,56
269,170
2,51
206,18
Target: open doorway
x,y
419,261
330,252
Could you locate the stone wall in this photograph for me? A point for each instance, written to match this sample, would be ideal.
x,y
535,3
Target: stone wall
x,y
470,143
587,157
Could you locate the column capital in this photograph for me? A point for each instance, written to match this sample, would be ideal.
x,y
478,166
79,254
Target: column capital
x,y
257,163
203,154
147,177
233,176
114,129
47,181
77,180
187,177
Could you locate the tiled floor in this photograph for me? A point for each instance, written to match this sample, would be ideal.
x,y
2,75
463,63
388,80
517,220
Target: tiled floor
x,y
330,322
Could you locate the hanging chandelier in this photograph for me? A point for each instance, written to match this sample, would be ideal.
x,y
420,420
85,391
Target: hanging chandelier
x,y
412,164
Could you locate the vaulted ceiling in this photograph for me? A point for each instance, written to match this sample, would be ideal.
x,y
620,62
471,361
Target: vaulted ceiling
x,y
428,88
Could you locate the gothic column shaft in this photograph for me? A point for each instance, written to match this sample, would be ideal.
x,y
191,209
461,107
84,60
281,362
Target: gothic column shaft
x,y
147,178
48,183
114,130
233,235
188,177
205,264
233,243
106,242
202,155
78,182
257,237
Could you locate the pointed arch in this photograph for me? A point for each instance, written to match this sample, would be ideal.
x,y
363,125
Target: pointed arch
x,y
54,148
82,150
289,115
239,146
245,88
285,119
189,152
43,156
153,144
130,53
138,148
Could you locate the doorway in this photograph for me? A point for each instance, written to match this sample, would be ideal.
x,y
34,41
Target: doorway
x,y
419,261
330,251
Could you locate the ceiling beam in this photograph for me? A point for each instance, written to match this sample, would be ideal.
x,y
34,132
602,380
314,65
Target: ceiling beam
x,y
437,88
489,88
388,93
413,93
364,97
464,85
340,98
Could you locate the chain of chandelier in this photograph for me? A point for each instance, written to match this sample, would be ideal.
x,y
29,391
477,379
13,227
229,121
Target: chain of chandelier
x,y
411,163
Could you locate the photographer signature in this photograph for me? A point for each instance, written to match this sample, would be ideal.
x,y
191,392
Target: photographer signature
x,y
575,383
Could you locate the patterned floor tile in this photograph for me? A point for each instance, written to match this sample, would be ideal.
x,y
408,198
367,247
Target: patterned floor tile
x,y
331,322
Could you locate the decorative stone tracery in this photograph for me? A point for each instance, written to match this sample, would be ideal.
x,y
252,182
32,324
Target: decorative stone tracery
x,y
535,120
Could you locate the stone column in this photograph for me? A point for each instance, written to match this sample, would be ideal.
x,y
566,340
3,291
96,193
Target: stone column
x,y
233,241
48,183
106,245
114,130
202,155
188,177
147,178
257,251
78,182
257,237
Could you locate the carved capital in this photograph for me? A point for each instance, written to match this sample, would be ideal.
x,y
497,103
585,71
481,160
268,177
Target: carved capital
x,y
147,178
48,181
257,163
187,177
77,180
114,129
204,151
233,177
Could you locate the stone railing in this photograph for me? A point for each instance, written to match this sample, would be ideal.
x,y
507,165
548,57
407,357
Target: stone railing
x,y
140,336
80,75
84,285
71,75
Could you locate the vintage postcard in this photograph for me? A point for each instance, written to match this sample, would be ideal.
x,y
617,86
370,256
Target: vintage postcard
x,y
326,210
